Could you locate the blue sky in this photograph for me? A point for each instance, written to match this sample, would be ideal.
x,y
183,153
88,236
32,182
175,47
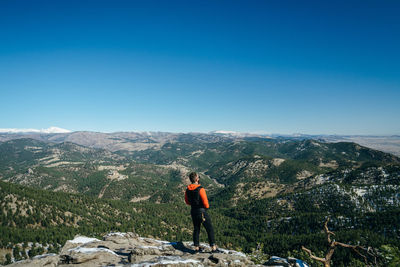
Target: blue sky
x,y
314,67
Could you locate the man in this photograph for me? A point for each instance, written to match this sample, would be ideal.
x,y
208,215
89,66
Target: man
x,y
196,197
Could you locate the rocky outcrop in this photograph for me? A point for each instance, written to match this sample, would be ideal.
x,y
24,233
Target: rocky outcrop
x,y
128,249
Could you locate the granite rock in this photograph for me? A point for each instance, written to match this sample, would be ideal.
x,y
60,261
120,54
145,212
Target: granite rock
x,y
128,249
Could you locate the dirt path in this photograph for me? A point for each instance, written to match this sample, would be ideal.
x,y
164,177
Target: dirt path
x,y
104,189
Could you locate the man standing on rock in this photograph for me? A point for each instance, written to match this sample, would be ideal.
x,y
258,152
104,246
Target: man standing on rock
x,y
196,197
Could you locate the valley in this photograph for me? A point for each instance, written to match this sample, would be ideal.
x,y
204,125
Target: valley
x,y
271,191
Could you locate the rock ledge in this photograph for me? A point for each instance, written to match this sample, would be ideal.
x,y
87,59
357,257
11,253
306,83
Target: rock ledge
x,y
128,249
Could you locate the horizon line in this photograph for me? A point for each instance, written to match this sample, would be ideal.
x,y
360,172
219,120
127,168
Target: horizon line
x,y
58,130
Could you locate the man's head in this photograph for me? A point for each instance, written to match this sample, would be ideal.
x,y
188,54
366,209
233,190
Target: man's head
x,y
193,176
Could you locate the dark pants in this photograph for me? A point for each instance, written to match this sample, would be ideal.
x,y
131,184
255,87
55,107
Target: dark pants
x,y
197,218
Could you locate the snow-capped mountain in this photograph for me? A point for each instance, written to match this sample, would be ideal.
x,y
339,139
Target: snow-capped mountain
x,y
49,130
236,134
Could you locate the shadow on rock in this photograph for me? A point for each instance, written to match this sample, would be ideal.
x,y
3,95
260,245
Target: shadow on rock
x,y
180,246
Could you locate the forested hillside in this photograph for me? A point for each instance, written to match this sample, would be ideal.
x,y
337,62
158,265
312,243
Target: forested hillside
x,y
68,167
274,194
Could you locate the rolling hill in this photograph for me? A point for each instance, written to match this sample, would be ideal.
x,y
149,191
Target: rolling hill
x,y
275,192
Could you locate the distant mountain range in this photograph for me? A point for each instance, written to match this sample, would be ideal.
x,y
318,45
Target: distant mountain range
x,y
50,130
134,141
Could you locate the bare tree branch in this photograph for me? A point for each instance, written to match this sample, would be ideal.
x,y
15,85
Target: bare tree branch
x,y
312,256
327,232
332,246
355,249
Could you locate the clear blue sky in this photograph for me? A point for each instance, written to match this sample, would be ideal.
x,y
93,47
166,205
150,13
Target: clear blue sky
x,y
330,67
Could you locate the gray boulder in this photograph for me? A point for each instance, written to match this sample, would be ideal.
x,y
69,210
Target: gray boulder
x,y
119,249
48,260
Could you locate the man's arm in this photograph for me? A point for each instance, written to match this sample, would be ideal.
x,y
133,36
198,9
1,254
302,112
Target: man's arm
x,y
203,197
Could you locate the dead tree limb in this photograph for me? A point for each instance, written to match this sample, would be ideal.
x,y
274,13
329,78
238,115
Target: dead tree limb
x,y
313,256
355,249
327,232
332,246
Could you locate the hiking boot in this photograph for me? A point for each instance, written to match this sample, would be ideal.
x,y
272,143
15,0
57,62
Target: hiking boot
x,y
198,250
216,251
